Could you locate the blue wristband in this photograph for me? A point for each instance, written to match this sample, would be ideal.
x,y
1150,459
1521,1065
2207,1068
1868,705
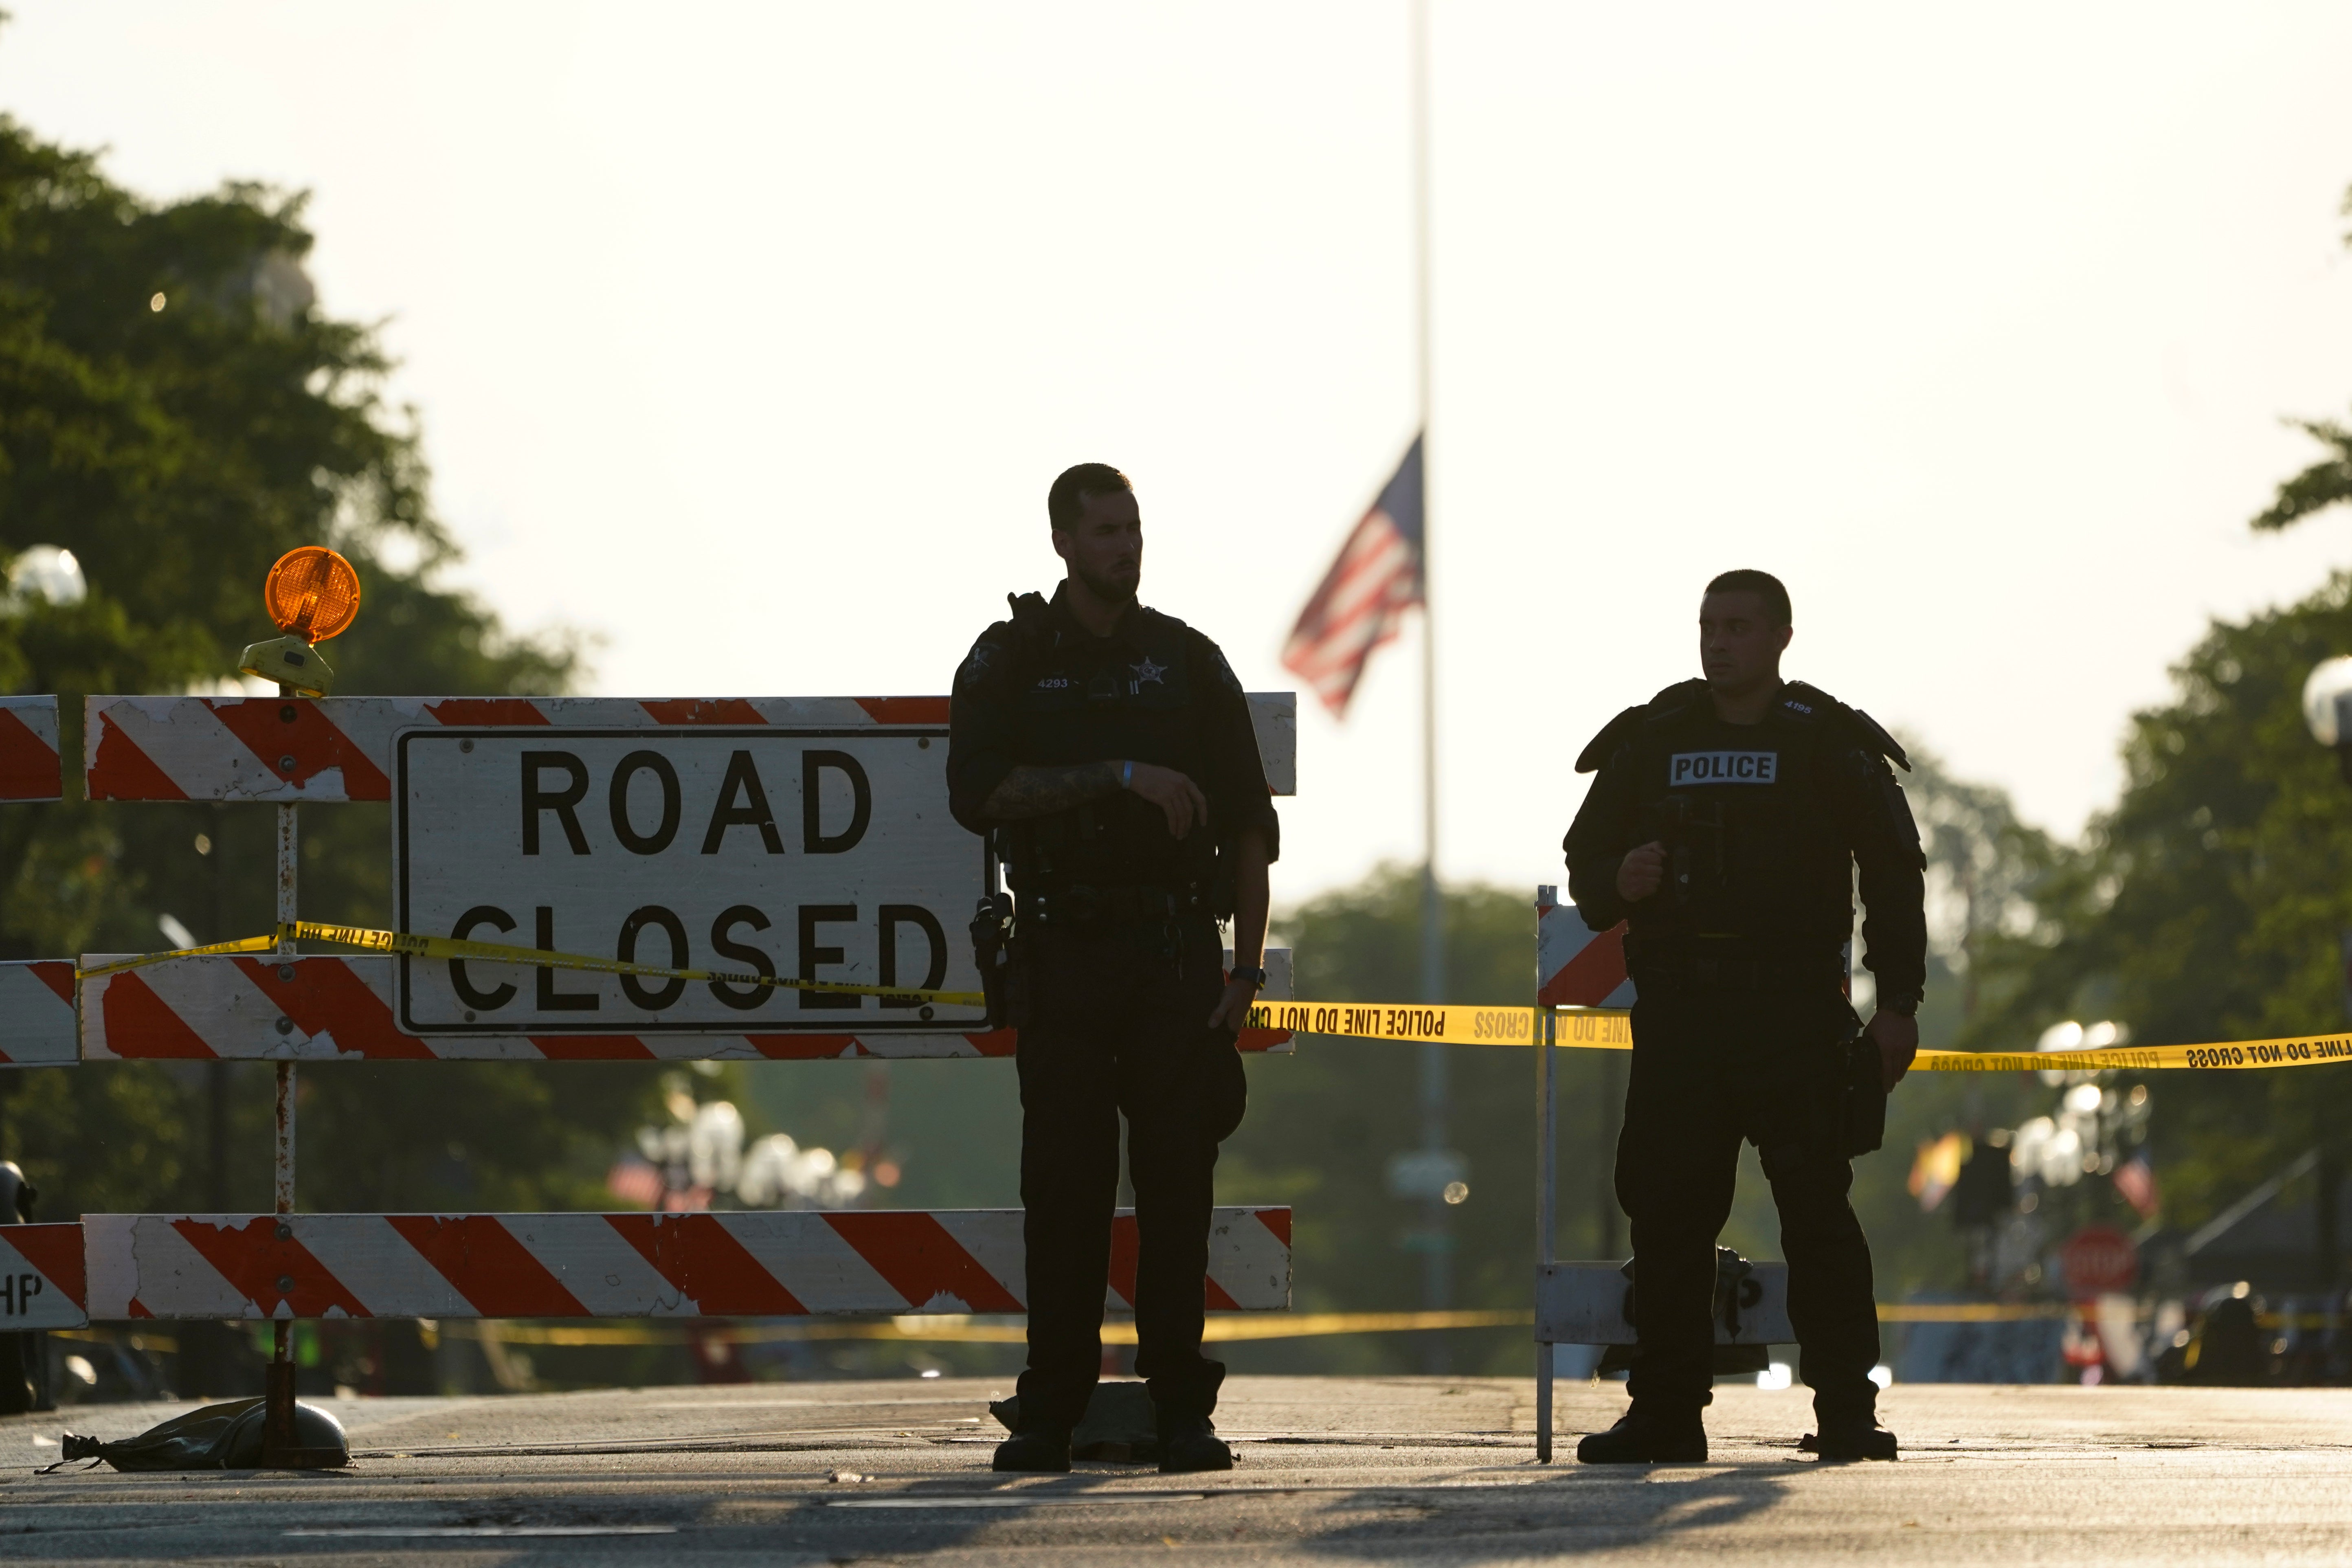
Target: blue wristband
x,y
1126,776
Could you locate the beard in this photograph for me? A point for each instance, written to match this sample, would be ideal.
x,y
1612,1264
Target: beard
x,y
1110,589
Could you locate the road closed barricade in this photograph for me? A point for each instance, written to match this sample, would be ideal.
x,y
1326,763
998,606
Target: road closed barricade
x,y
581,879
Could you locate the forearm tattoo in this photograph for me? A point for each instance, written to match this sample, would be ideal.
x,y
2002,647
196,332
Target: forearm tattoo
x,y
1039,792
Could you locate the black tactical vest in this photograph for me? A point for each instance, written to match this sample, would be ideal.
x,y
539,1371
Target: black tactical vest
x,y
1137,695
1755,850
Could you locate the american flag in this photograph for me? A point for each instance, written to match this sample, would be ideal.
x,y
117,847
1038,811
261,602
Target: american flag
x,y
1362,601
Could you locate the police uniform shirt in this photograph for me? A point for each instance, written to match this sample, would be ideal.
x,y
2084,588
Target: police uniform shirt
x,y
1040,690
1764,822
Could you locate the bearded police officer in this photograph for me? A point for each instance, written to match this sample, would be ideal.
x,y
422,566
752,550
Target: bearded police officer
x,y
1107,751
1724,828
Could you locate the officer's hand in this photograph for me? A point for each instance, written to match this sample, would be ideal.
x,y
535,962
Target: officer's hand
x,y
1232,1008
1897,1038
1178,797
1642,873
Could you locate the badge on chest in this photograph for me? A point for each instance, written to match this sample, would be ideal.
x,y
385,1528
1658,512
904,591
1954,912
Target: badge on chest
x,y
1146,682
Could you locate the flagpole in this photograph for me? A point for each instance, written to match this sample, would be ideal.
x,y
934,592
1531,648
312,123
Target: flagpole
x,y
1437,1263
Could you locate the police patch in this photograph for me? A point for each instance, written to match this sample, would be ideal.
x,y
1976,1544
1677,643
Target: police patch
x,y
1722,767
976,665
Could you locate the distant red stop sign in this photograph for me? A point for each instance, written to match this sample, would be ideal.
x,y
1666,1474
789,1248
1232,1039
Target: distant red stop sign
x,y
2098,1260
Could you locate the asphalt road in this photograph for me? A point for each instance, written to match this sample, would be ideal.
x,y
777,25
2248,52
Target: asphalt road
x,y
1331,1471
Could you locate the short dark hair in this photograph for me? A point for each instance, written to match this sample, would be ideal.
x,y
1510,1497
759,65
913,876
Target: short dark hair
x,y
1763,585
1066,501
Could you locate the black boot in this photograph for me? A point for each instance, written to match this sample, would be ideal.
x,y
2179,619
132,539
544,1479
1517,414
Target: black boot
x,y
1190,1443
1035,1448
1862,1438
1647,1440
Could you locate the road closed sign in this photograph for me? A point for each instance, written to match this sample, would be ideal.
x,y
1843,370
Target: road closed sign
x,y
822,853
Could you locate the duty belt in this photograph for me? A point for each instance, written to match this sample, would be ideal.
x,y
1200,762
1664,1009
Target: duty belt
x,y
1742,968
1061,905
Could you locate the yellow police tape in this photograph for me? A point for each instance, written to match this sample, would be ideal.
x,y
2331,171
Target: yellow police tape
x,y
1610,1029
499,953
952,1329
1444,1023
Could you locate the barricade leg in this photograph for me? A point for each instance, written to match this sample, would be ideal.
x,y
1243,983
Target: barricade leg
x,y
281,1446
1543,1402
1547,1181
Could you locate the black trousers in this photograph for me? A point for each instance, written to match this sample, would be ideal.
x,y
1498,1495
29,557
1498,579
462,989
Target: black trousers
x,y
1711,1068
1115,1021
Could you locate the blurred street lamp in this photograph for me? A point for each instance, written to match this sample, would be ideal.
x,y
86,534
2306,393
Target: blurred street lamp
x,y
2327,709
47,574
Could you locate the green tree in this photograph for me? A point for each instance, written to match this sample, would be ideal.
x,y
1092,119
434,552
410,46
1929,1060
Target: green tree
x,y
2328,481
2210,903
176,410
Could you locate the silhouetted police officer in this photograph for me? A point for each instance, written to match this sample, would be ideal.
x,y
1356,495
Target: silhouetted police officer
x,y
1107,748
1725,825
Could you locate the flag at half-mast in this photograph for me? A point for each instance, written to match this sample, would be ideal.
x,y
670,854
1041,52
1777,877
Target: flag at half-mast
x,y
1362,599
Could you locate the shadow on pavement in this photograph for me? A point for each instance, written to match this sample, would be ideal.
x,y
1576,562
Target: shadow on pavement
x,y
1571,1512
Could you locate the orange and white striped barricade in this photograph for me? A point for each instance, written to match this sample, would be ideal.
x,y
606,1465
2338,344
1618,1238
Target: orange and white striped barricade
x,y
291,750
1577,967
315,1009
37,1010
37,1026
763,1263
1590,1304
29,768
41,1277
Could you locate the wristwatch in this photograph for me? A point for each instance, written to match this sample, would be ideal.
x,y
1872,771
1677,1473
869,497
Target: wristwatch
x,y
1257,977
1904,1002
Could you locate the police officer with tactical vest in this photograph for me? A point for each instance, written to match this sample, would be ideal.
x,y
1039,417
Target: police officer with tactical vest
x,y
1724,828
1106,751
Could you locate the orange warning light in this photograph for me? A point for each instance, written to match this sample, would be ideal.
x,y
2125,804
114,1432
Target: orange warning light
x,y
312,594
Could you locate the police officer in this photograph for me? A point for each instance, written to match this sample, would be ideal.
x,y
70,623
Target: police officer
x,y
1108,750
1723,827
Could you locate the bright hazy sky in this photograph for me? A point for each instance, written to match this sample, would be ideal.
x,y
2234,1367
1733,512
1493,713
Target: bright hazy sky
x,y
748,338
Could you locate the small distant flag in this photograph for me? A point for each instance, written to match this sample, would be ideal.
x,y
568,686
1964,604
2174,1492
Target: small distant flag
x,y
2135,1180
1937,1170
635,1181
1362,601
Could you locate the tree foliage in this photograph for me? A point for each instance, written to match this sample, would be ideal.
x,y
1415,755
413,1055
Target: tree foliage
x,y
2328,481
2325,483
2210,903
176,410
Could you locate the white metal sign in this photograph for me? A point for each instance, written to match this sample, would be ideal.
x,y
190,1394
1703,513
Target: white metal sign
x,y
815,853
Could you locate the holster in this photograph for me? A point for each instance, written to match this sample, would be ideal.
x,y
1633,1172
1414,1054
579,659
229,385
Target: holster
x,y
1860,1110
992,952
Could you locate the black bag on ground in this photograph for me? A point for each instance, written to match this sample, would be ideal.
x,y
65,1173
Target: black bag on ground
x,y
1120,1425
216,1437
